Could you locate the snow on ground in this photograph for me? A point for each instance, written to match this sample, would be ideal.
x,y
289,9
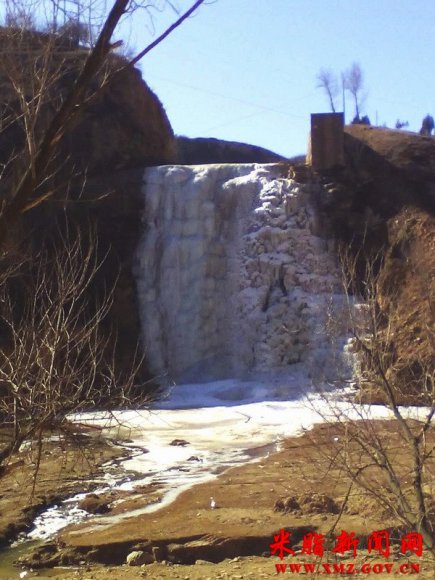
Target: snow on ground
x,y
224,423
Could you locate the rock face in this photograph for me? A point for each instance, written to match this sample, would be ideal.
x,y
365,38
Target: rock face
x,y
208,150
126,126
382,203
97,172
232,276
122,125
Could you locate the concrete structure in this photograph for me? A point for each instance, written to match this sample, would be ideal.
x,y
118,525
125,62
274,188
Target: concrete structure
x,y
326,143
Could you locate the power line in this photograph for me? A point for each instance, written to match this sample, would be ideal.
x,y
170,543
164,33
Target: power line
x,y
237,120
226,97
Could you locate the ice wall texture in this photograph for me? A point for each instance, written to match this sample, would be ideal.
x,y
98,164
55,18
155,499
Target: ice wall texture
x,y
231,275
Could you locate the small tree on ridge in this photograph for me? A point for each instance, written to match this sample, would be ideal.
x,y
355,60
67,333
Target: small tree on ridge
x,y
327,81
354,84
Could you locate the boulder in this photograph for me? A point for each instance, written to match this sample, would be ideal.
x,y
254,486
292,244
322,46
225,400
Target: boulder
x,y
138,558
94,504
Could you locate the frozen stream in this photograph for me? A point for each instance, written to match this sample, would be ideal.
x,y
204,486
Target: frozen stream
x,y
224,423
236,288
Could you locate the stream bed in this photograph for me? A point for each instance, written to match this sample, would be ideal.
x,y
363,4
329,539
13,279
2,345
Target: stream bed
x,y
198,432
192,436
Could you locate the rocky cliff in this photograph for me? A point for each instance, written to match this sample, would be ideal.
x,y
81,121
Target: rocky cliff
x,y
381,204
122,125
196,151
97,173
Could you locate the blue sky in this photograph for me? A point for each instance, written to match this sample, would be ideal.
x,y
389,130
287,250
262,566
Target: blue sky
x,y
246,70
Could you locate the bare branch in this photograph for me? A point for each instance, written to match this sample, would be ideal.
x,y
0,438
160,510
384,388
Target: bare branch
x,y
327,81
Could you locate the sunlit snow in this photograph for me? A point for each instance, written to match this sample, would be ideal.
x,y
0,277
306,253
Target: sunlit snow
x,y
225,423
235,282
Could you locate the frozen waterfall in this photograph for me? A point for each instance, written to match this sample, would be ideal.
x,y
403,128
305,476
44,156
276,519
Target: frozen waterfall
x,y
231,275
236,290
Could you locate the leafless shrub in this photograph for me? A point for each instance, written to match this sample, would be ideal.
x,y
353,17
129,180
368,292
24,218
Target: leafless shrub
x,y
54,359
393,462
53,355
31,166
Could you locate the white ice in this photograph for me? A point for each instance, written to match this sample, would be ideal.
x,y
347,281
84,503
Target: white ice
x,y
234,280
225,423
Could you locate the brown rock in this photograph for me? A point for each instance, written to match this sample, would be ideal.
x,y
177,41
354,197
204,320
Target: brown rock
x,y
287,505
317,503
138,558
94,504
179,443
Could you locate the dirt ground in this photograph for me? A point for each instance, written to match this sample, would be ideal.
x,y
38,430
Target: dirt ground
x,y
232,541
242,568
66,467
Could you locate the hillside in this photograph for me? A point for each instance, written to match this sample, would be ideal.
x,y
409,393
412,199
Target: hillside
x,y
196,151
378,205
409,153
95,179
382,204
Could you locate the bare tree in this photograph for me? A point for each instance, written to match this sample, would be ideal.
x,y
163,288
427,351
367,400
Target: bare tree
x,y
401,124
354,84
29,185
396,467
54,356
327,81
